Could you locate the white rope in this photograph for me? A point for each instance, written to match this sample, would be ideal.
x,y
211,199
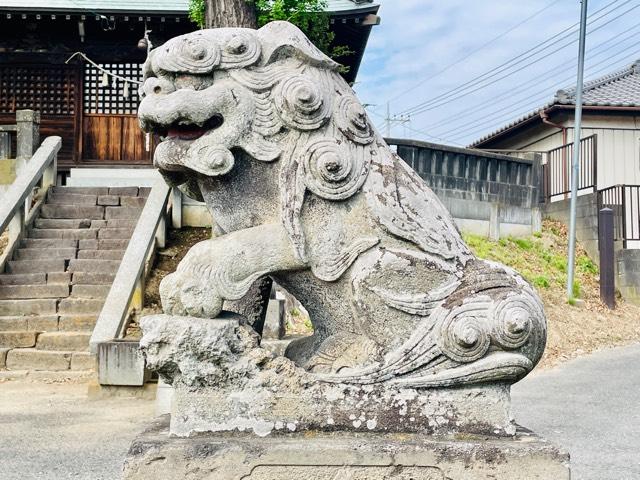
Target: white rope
x,y
87,59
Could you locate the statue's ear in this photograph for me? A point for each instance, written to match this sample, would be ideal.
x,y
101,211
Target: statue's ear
x,y
284,40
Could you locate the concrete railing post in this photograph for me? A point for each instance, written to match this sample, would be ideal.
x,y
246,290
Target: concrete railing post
x,y
176,208
28,133
607,258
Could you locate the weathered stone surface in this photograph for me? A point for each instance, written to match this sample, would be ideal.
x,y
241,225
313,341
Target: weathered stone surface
x,y
113,244
83,361
23,279
71,199
35,266
122,213
98,223
49,243
28,307
42,323
77,322
72,211
57,223
59,277
135,202
32,359
76,234
101,254
18,339
331,456
115,233
90,291
63,341
80,306
130,191
122,223
223,381
33,291
275,320
93,278
93,265
3,357
109,200
13,323
45,253
80,190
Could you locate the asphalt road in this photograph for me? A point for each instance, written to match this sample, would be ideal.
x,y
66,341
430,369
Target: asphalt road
x,y
591,407
53,432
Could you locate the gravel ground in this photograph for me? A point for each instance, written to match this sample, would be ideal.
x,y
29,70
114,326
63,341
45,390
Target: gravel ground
x,y
52,431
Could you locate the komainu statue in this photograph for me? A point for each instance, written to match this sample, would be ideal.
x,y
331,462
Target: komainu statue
x,y
260,125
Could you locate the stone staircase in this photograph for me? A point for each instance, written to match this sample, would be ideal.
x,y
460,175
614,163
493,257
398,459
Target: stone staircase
x,y
53,289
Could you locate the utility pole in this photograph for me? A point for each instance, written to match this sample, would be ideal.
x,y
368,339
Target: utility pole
x,y
389,120
575,172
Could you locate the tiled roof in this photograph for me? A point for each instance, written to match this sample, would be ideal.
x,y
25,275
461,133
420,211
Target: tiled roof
x,y
165,6
617,89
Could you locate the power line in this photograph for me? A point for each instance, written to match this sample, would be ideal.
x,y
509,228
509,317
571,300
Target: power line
x,y
484,45
535,80
440,100
556,85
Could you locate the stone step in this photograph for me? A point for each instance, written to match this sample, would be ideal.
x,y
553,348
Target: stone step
x,y
124,191
18,339
73,211
92,265
59,277
35,266
45,253
32,359
62,223
93,278
115,233
81,190
33,291
135,202
109,200
90,291
122,223
23,279
71,199
84,306
28,307
105,244
83,361
66,341
77,323
127,213
49,243
101,254
75,234
144,191
38,323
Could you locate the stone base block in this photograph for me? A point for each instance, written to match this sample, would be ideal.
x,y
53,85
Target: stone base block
x,y
333,456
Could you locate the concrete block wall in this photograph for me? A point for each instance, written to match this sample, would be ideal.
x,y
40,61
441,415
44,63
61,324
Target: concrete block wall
x,y
628,274
586,220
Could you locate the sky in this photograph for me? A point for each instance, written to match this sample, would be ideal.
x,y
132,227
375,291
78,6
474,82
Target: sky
x,y
425,51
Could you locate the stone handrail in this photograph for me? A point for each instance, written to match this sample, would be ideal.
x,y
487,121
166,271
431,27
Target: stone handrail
x,y
15,209
112,319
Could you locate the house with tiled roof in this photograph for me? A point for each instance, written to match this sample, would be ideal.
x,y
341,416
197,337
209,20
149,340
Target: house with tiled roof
x,y
611,122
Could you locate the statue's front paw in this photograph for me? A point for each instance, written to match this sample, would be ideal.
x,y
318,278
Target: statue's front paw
x,y
188,297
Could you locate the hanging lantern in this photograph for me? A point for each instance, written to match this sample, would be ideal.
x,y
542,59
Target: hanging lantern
x,y
125,90
105,80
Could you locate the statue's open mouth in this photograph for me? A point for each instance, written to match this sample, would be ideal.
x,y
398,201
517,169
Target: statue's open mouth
x,y
189,131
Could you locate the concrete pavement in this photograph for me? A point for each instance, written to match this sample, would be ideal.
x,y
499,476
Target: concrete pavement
x,y
590,406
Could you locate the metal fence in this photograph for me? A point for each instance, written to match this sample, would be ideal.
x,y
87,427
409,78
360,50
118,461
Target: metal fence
x,y
556,172
624,200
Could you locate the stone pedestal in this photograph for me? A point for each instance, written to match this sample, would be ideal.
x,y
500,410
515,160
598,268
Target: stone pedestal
x,y
340,456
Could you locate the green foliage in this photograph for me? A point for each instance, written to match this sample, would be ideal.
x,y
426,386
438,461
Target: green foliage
x,y
523,243
196,12
310,16
586,265
575,290
541,281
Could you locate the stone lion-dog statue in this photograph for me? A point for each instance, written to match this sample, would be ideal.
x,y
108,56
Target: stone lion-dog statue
x,y
260,126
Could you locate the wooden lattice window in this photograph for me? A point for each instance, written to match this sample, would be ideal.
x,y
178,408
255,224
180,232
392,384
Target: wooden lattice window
x,y
112,98
49,89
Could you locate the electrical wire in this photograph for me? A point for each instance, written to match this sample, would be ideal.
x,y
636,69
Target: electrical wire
x,y
455,94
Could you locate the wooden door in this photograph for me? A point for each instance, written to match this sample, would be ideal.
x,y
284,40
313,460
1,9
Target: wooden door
x,y
52,90
110,131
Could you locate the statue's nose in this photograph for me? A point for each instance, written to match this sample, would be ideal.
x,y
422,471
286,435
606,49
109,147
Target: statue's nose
x,y
156,86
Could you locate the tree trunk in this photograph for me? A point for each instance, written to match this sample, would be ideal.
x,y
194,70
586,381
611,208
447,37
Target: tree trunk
x,y
230,13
